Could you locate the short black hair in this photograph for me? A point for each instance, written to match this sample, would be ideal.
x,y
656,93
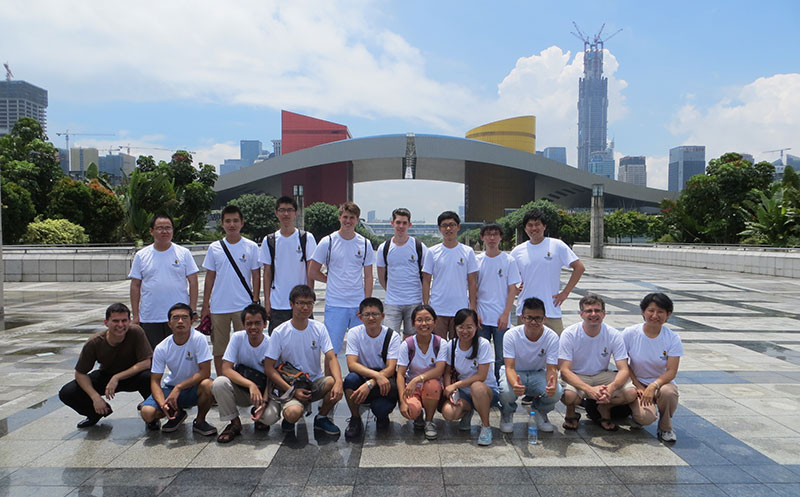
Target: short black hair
x,y
533,215
657,298
491,227
162,215
180,306
420,308
591,299
444,216
231,209
302,291
370,302
533,304
254,309
117,308
286,200
401,211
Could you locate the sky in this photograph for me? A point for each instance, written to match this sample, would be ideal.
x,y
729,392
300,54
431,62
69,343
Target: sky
x,y
202,75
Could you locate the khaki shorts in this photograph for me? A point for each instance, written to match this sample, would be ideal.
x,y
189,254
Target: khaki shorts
x,y
601,378
221,330
445,327
317,391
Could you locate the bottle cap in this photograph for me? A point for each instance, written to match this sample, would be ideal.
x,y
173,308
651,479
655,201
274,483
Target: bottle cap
x,y
533,412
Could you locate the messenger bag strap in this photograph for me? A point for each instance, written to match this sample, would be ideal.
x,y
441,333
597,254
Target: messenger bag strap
x,y
236,268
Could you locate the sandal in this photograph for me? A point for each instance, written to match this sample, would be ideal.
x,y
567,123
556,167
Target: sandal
x,y
229,433
259,426
606,422
569,420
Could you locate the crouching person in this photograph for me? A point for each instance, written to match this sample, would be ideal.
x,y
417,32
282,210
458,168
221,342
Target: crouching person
x,y
530,353
187,384
372,351
300,343
243,381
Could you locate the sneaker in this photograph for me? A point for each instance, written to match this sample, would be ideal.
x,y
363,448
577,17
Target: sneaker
x,y
543,423
526,400
634,425
153,425
89,421
430,431
419,423
203,428
354,428
382,424
465,424
173,424
667,436
507,422
325,425
485,438
259,426
287,427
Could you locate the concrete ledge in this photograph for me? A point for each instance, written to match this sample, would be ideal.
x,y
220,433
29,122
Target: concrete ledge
x,y
753,260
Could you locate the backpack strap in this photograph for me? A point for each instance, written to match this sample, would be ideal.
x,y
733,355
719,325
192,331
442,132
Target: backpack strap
x,y
411,349
303,241
328,259
418,245
366,247
386,245
453,372
437,344
271,247
386,341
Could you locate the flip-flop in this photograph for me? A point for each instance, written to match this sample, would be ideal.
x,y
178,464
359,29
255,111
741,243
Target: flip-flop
x,y
570,419
607,421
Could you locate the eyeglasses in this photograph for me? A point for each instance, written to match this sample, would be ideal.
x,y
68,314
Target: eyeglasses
x,y
163,229
286,210
423,320
593,311
304,303
536,319
466,327
370,315
448,226
181,317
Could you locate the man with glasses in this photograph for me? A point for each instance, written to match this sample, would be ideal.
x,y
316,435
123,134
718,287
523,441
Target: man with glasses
x,y
372,352
285,256
449,276
159,274
584,353
530,353
188,383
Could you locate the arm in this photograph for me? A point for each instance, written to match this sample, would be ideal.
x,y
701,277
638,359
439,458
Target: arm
x,y
332,365
255,276
577,271
255,394
140,366
83,381
502,322
309,280
157,392
192,290
647,394
268,287
401,389
568,376
512,377
621,377
483,371
369,281
136,294
382,276
203,372
315,272
551,373
208,287
426,288
472,286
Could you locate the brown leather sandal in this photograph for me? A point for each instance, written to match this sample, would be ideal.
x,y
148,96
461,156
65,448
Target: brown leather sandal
x,y
229,433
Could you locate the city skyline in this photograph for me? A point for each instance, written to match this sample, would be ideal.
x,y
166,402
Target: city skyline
x,y
383,68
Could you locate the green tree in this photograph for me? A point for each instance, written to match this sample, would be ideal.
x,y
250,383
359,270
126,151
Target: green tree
x,y
362,230
575,227
513,221
258,211
54,231
321,219
92,171
207,175
148,192
18,211
91,206
146,163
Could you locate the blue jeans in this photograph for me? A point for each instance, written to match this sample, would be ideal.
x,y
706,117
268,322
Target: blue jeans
x,y
494,335
380,405
535,384
187,398
338,320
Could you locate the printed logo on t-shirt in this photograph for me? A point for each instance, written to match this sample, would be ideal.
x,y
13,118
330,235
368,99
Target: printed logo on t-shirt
x,y
461,261
358,253
474,363
413,258
313,344
500,272
432,361
244,257
664,356
189,355
541,353
299,249
175,263
605,352
548,257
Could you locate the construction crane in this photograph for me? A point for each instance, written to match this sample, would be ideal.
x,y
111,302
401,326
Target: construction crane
x,y
66,134
781,150
9,74
129,148
596,40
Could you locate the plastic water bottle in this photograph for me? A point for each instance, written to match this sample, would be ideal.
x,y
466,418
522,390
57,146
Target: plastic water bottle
x,y
533,429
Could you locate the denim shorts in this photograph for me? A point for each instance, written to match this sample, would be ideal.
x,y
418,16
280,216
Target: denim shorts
x,y
187,398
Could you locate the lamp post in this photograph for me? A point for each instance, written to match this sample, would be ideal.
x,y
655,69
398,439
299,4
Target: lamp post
x,y
297,191
597,220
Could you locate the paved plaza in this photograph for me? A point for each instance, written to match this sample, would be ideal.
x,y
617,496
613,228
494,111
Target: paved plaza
x,y
737,424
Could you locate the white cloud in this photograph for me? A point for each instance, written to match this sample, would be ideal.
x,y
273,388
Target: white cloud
x,y
657,171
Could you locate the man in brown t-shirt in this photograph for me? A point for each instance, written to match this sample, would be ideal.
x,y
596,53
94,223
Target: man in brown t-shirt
x,y
124,355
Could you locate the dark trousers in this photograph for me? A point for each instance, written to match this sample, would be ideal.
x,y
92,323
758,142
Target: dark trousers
x,y
73,395
380,405
156,332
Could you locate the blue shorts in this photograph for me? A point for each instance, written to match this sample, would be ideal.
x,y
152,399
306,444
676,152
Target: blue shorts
x,y
187,398
467,395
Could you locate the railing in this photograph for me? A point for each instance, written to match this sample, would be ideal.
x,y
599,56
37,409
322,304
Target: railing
x,y
707,246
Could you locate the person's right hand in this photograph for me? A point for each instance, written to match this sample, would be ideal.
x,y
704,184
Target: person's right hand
x,y
302,394
100,406
255,395
404,409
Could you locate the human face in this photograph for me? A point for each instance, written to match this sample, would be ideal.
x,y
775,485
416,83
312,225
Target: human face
x,y
467,330
533,319
593,314
302,307
232,223
535,230
348,221
449,229
162,230
423,323
286,213
180,321
491,239
655,315
117,324
401,225
254,325
371,316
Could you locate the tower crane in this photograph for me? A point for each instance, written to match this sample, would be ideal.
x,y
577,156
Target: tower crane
x,y
129,148
781,150
66,134
596,40
9,74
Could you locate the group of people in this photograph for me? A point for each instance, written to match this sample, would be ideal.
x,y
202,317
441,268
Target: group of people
x,y
440,342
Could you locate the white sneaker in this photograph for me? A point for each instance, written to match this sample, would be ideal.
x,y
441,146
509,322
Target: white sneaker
x,y
543,423
465,424
430,431
507,422
667,436
485,437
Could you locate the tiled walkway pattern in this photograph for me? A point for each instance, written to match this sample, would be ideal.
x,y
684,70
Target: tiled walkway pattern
x,y
737,425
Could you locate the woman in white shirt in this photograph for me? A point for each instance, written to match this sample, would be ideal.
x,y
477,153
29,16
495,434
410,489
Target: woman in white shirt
x,y
654,353
468,383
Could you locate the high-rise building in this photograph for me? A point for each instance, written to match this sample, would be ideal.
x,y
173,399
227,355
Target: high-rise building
x,y
556,153
116,165
601,162
684,162
633,170
81,159
276,148
780,165
592,103
21,99
249,150
371,216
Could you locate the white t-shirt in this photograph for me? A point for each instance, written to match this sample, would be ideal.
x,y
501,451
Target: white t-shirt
x,y
495,274
182,360
291,269
528,355
345,286
228,294
449,268
368,349
240,351
304,349
163,276
403,284
540,268
466,367
591,355
648,356
422,362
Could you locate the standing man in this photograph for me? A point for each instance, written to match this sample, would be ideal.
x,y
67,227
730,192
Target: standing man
x,y
400,272
185,353
285,256
124,356
584,352
449,276
497,286
229,290
346,255
539,261
158,279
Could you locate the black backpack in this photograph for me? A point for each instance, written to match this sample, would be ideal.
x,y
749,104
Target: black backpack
x,y
271,247
388,243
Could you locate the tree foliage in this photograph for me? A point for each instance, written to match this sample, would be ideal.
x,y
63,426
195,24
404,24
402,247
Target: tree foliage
x,y
258,211
92,206
54,231
321,219
18,211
